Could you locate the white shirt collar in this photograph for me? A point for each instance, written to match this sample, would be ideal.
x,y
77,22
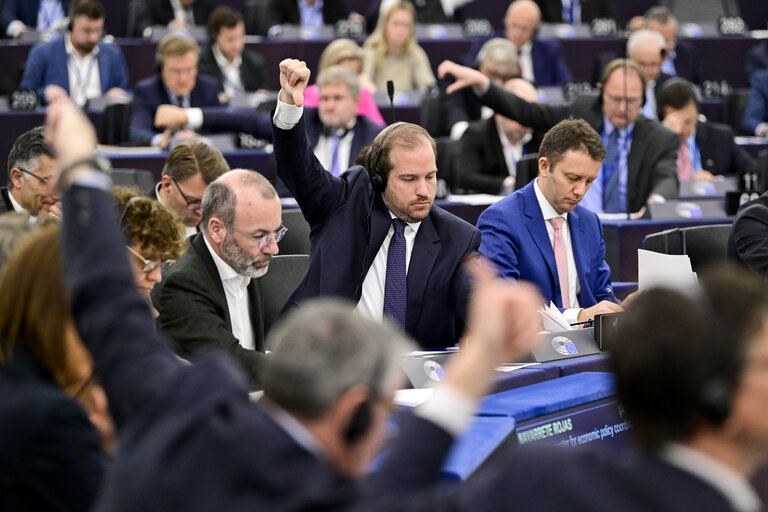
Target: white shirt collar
x,y
222,61
413,225
727,481
225,271
547,210
18,208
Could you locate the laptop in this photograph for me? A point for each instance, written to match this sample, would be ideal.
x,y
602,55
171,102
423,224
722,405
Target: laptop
x,y
693,209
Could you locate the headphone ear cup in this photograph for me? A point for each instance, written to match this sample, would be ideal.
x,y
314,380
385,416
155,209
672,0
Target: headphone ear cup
x,y
378,182
360,423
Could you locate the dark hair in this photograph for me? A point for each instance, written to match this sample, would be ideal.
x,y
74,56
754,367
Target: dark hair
x,y
666,352
26,150
676,93
407,136
223,16
90,8
189,158
571,134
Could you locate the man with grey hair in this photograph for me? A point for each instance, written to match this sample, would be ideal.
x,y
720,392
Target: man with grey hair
x,y
209,299
647,48
33,174
497,59
335,131
681,58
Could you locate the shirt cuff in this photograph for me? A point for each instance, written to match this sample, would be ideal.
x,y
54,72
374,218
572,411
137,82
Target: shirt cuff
x,y
761,130
194,118
484,91
458,129
156,139
449,409
571,315
12,26
286,116
656,198
93,179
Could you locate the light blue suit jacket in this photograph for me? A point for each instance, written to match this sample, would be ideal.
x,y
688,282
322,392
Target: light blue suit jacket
x,y
515,237
47,64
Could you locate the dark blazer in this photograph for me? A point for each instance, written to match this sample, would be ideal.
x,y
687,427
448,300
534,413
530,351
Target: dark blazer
x,y
481,163
5,205
748,241
190,438
252,69
193,309
345,239
50,456
687,62
719,152
286,12
651,163
160,12
461,105
24,11
515,237
756,111
757,58
552,10
365,131
47,65
150,93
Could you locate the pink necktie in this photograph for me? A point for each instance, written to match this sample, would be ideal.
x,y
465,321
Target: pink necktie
x,y
684,166
561,258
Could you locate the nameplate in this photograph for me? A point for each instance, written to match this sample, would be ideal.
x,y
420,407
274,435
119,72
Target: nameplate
x,y
715,88
248,141
23,99
477,27
736,198
352,29
731,26
603,27
575,88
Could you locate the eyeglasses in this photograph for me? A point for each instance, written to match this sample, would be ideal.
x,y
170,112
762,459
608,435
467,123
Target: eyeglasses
x,y
48,182
619,99
193,205
263,240
149,265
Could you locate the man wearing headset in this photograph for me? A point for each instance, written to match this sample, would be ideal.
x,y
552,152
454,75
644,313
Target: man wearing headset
x,y
640,161
376,237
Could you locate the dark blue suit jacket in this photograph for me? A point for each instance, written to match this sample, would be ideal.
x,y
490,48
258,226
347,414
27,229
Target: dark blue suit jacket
x,y
50,456
516,239
548,65
47,64
344,241
190,439
719,152
150,93
24,11
365,131
756,111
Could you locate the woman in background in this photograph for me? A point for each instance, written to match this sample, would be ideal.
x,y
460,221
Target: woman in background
x,y
346,52
392,53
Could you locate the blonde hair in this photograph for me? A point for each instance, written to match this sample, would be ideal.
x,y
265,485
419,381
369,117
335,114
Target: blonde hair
x,y
377,41
338,51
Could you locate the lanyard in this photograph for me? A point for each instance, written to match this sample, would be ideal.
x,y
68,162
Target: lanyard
x,y
608,172
82,84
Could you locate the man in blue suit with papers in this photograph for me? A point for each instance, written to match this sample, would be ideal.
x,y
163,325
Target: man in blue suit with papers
x,y
541,234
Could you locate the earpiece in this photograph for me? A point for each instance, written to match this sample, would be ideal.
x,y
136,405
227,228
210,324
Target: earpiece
x,y
359,423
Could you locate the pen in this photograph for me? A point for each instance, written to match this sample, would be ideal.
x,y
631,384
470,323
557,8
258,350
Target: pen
x,y
613,296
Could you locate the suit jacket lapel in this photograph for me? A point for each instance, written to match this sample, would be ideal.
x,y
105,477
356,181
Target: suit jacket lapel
x,y
537,228
380,223
426,247
197,243
254,308
103,65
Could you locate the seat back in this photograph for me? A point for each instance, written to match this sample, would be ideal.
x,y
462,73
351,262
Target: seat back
x,y
665,242
706,245
140,178
527,170
735,103
276,286
445,159
116,123
296,240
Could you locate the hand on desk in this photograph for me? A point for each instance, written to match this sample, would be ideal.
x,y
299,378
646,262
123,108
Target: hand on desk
x,y
465,77
294,78
599,309
170,116
116,92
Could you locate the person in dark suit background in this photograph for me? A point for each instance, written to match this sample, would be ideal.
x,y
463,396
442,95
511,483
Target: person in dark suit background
x,y
306,12
491,148
641,167
540,234
748,240
175,13
755,119
681,58
237,69
33,174
576,11
189,168
497,59
360,219
335,131
328,385
79,65
21,15
757,59
540,61
209,300
707,149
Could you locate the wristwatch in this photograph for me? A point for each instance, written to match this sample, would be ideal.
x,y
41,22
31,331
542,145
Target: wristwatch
x,y
95,161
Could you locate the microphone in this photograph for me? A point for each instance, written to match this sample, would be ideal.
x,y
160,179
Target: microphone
x,y
391,93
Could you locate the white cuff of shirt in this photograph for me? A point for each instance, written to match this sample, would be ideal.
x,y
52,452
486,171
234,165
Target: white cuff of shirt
x,y
761,130
458,129
94,179
286,116
156,139
571,315
449,409
12,26
656,198
194,118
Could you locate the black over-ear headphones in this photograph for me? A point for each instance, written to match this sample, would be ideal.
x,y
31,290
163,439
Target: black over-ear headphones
x,y
378,179
715,392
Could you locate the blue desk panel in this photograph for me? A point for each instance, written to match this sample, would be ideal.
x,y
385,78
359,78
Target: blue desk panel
x,y
574,365
504,381
484,436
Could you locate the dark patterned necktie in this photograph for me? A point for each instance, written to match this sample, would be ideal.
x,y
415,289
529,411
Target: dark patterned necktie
x,y
395,286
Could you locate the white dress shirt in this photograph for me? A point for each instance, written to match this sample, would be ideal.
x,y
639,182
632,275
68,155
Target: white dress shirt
x,y
236,290
233,83
20,209
83,73
512,152
324,148
525,61
572,314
